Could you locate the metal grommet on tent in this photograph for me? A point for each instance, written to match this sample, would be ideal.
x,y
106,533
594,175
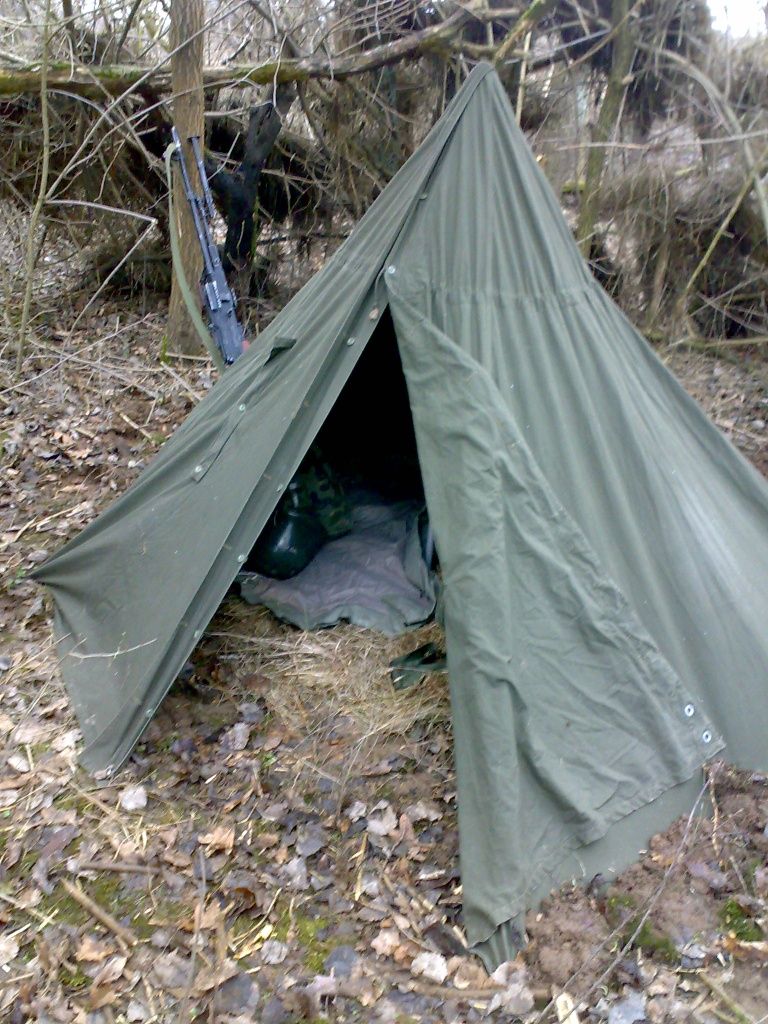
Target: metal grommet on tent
x,y
198,469
241,407
241,558
391,269
350,341
689,710
706,736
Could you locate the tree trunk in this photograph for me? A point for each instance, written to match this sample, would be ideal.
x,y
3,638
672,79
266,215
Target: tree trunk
x,y
187,84
610,109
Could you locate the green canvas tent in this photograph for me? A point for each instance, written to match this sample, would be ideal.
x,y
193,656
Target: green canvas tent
x,y
604,549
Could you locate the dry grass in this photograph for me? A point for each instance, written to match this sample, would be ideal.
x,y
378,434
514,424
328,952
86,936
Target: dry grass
x,y
332,683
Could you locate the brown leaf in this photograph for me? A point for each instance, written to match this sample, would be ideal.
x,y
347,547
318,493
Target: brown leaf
x,y
222,837
91,950
9,949
177,859
171,972
236,738
212,977
386,942
111,971
273,740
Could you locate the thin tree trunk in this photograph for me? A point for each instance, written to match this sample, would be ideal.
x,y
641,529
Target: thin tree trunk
x,y
621,64
34,244
187,83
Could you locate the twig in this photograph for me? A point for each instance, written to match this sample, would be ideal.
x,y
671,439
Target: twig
x,y
38,522
527,21
14,978
180,380
736,1009
99,913
128,869
126,28
623,947
711,779
45,919
135,426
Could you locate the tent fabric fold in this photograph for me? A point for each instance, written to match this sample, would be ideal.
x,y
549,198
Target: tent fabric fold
x,y
604,548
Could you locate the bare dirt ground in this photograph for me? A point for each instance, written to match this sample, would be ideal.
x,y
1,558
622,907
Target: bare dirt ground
x,y
282,847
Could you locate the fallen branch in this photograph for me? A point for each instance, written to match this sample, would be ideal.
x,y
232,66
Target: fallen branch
x,y
99,913
96,80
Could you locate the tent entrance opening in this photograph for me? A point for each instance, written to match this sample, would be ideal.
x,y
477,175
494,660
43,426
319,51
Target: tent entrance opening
x,y
348,540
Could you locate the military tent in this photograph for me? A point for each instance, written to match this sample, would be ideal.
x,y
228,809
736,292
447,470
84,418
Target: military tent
x,y
604,549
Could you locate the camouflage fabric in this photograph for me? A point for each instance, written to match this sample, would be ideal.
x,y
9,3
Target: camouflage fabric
x,y
319,493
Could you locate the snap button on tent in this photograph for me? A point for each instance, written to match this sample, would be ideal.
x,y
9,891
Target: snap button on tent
x,y
706,736
391,269
198,469
241,407
689,710
350,341
241,558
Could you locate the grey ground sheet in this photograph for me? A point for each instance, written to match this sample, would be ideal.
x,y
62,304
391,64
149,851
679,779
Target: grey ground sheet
x,y
374,576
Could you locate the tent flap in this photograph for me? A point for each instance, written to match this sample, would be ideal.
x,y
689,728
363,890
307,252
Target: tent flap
x,y
566,715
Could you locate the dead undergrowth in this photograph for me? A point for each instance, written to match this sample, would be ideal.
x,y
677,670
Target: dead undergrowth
x,y
283,847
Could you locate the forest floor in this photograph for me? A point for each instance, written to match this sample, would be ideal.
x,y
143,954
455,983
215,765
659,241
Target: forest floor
x,y
282,846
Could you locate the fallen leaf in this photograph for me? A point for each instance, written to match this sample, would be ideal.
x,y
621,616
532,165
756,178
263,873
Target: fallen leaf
x,y
565,1008
171,972
294,874
91,950
470,974
111,971
312,838
422,811
237,737
210,978
19,763
432,966
222,837
516,997
133,798
274,952
627,1010
67,741
320,988
382,821
356,811
386,942
9,949
273,741
136,1012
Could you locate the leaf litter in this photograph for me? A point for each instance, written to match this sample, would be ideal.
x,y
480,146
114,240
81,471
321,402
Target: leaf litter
x,y
282,846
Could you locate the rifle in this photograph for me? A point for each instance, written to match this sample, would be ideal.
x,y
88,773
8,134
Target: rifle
x,y
218,299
